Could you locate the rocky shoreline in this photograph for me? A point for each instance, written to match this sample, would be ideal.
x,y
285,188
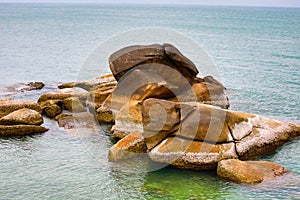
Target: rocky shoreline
x,y
159,108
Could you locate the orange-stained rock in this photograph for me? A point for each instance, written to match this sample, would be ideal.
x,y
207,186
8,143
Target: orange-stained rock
x,y
23,116
248,171
160,119
212,93
21,130
73,104
130,146
8,106
187,154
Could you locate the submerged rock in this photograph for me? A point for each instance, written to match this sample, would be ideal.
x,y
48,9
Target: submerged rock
x,y
249,171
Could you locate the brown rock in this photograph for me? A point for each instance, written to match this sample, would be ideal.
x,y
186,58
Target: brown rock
x,y
208,123
78,120
21,130
23,116
8,106
239,171
52,108
89,85
187,154
249,171
105,115
160,119
211,93
73,104
63,94
129,57
264,139
130,146
128,119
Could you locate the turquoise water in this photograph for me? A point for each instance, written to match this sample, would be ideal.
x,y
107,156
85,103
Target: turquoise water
x,y
257,54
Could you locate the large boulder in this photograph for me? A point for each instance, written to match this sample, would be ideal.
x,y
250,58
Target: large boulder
x,y
160,119
23,116
249,171
188,154
130,146
169,139
129,57
8,106
21,130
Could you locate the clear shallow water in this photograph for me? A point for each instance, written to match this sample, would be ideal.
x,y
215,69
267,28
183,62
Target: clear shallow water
x,y
256,50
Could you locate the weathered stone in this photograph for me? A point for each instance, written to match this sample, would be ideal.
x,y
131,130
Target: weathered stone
x,y
130,146
23,116
128,119
208,123
248,171
21,130
63,94
8,106
265,139
52,108
91,84
20,87
129,57
211,93
73,104
105,115
78,120
160,119
188,154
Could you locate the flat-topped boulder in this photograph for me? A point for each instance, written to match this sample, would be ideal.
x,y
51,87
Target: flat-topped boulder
x,y
189,154
21,130
127,58
8,106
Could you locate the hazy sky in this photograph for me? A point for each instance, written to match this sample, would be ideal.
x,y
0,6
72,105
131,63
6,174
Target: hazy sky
x,y
283,3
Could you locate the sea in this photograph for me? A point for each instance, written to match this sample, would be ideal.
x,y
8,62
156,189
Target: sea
x,y
255,53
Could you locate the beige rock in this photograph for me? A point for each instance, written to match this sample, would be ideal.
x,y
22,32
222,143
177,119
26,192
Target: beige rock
x,y
8,106
248,171
128,147
160,119
21,130
23,116
187,154
73,104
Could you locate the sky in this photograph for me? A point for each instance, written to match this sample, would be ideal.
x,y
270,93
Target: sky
x,y
270,3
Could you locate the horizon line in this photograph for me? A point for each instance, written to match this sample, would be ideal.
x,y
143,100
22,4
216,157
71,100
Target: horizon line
x,y
158,4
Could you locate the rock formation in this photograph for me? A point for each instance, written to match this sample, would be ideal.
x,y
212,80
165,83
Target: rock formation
x,y
19,117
